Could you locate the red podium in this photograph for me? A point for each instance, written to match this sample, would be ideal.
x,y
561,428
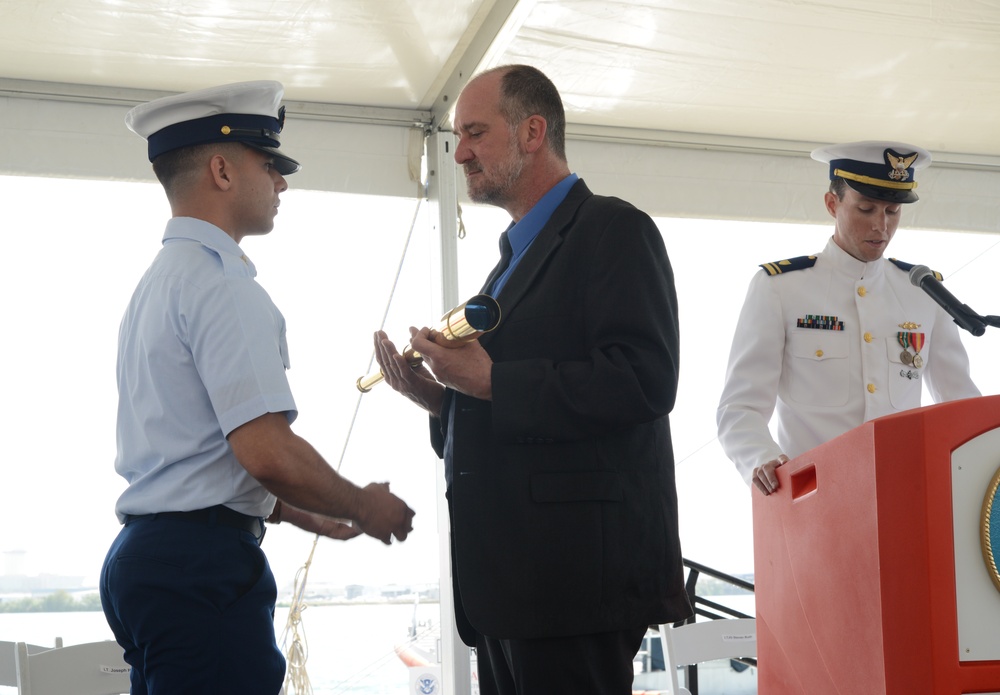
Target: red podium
x,y
870,573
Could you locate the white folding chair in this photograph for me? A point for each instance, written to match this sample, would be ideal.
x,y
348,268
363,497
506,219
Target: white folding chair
x,y
8,660
95,668
695,643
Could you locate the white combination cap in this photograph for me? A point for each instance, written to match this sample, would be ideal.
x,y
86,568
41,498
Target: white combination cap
x,y
247,112
877,168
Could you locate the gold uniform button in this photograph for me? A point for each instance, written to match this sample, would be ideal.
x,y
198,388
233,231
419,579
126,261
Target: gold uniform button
x,y
819,353
871,388
868,337
862,291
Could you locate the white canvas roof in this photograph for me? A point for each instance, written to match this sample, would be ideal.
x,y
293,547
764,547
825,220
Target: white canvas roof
x,y
702,108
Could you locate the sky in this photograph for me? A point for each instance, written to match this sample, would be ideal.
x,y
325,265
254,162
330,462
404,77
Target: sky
x,y
335,265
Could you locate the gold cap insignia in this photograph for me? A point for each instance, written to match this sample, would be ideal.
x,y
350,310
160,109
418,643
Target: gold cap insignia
x,y
900,164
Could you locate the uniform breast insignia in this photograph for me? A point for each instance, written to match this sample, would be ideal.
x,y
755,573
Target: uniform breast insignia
x,y
904,266
914,340
789,264
909,325
823,323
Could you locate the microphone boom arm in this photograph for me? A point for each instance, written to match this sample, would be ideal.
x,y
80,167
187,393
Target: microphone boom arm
x,y
923,277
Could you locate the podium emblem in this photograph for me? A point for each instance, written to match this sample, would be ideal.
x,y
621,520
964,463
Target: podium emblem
x,y
990,529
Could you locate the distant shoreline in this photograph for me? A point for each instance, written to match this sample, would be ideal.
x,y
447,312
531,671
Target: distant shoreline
x,y
286,602
62,602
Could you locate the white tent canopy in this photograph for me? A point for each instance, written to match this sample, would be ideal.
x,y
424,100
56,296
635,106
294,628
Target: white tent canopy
x,y
688,109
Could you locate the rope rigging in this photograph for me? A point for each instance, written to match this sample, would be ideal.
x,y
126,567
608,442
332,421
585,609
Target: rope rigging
x,y
293,640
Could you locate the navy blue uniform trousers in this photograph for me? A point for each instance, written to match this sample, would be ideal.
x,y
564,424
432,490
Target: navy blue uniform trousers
x,y
192,605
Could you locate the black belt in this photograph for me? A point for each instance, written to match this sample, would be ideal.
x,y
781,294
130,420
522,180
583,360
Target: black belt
x,y
224,516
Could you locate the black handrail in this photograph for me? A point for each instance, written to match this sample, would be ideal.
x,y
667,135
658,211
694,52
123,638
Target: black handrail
x,y
728,578
701,606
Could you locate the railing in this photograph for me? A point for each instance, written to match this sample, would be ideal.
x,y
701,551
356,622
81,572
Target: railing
x,y
710,609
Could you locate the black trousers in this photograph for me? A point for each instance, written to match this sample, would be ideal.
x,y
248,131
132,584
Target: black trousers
x,y
598,664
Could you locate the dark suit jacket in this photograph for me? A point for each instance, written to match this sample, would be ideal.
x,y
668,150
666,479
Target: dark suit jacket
x,y
564,508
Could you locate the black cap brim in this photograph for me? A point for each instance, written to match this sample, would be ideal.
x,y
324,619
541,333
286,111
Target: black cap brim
x,y
282,162
890,195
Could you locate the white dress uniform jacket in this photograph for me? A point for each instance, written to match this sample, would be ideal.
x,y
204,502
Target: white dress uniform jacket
x,y
845,370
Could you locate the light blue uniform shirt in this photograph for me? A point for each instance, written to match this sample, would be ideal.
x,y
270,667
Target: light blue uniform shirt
x,y
201,351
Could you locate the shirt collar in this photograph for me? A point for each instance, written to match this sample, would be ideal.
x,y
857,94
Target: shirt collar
x,y
210,236
851,266
527,228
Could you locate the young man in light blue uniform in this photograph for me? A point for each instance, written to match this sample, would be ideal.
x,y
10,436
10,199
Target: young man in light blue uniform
x,y
205,409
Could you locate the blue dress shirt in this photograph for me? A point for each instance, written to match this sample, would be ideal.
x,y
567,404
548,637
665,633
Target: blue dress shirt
x,y
524,231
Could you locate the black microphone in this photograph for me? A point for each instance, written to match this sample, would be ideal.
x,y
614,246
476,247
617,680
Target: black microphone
x,y
923,277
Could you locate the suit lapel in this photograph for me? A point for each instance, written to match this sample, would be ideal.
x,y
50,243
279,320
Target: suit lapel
x,y
544,245
505,256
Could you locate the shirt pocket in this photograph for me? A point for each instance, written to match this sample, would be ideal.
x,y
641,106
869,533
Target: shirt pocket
x,y
818,369
904,379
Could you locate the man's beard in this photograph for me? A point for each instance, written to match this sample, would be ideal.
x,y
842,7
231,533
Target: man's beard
x,y
495,190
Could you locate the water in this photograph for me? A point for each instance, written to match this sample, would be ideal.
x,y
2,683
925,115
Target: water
x,y
350,646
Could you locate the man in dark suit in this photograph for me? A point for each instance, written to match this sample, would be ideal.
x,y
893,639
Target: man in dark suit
x,y
554,426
